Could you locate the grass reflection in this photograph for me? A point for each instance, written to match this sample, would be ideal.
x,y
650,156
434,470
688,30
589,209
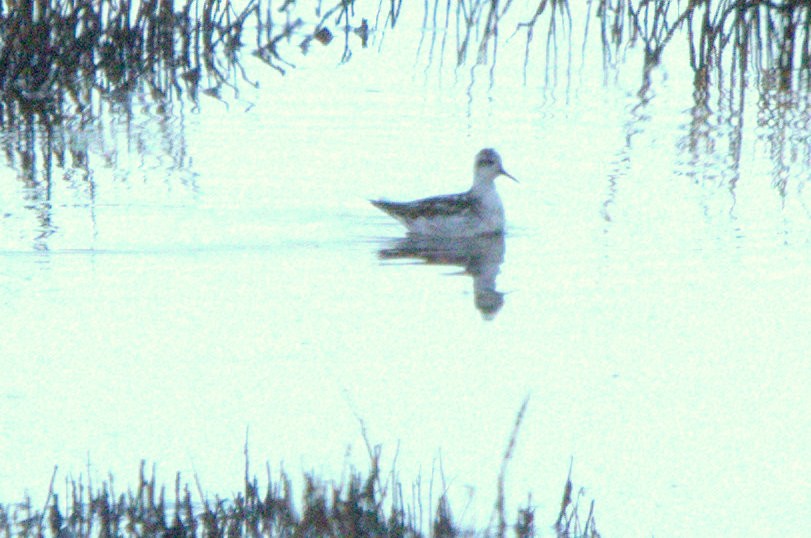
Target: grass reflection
x,y
55,52
69,67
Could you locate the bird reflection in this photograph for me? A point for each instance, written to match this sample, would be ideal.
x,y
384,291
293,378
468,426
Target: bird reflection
x,y
480,256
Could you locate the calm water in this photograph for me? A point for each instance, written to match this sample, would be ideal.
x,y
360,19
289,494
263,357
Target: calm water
x,y
220,270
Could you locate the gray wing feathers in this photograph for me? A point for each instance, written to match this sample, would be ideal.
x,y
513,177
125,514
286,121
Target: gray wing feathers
x,y
436,206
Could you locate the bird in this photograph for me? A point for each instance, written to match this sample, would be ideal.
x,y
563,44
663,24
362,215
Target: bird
x,y
477,211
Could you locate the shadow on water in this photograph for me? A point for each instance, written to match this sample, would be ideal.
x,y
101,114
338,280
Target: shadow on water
x,y
479,257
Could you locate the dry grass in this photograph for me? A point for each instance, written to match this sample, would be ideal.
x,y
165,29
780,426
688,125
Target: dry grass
x,y
363,504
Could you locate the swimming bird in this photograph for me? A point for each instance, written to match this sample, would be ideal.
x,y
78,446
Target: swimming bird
x,y
478,211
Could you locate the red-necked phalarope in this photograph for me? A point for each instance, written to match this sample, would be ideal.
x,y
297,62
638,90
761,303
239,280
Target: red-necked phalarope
x,y
478,211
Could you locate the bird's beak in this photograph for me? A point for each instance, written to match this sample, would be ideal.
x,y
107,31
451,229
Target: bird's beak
x,y
504,173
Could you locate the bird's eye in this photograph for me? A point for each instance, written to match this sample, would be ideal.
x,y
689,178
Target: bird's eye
x,y
486,162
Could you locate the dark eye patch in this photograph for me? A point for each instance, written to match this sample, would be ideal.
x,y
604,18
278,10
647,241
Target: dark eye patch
x,y
487,162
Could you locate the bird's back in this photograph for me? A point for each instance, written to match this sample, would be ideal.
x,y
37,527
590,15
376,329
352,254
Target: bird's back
x,y
453,215
433,207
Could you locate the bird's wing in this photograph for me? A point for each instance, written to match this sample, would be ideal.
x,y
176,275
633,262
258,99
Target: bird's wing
x,y
435,206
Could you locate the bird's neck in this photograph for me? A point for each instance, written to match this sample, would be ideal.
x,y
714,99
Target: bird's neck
x,y
482,186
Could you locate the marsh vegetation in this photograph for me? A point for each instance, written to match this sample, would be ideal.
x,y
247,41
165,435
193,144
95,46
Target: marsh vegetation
x,y
364,505
374,503
75,66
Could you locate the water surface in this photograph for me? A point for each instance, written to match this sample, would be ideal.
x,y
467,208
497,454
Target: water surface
x,y
218,269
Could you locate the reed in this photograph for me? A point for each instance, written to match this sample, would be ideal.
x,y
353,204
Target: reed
x,y
53,47
364,504
55,53
57,50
